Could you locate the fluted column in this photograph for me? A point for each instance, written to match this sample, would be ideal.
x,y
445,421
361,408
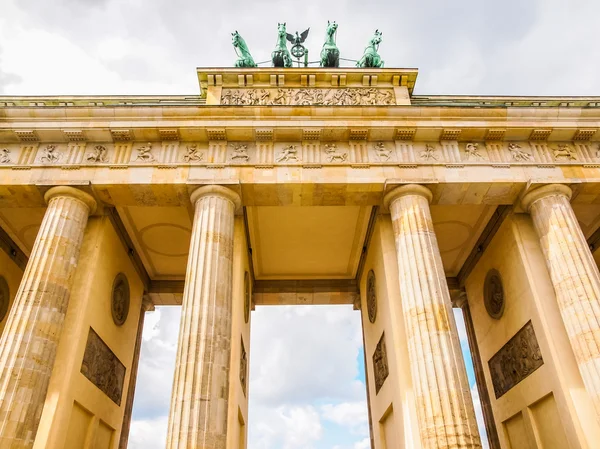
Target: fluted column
x,y
198,416
30,339
444,406
574,275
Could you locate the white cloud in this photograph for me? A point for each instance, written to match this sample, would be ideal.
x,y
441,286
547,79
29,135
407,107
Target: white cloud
x,y
460,326
148,434
285,427
351,415
363,444
479,415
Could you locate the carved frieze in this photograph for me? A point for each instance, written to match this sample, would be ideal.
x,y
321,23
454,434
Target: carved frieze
x,y
517,154
50,154
220,153
98,154
380,364
193,154
429,153
516,360
493,294
5,156
371,297
288,154
119,303
102,367
335,155
4,298
144,153
243,368
240,153
472,152
382,152
308,97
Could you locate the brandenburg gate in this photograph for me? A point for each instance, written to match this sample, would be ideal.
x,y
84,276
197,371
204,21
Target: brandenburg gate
x,y
283,185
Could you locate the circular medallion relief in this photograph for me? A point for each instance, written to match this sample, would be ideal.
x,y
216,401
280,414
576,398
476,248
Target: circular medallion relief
x,y
4,298
247,294
371,297
493,294
120,299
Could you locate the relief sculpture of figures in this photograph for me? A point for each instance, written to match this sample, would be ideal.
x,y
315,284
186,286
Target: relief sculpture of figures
x,y
98,154
564,151
288,154
333,154
382,152
472,150
308,97
281,56
145,153
330,54
193,155
371,56
240,152
516,360
428,153
517,153
4,156
241,49
50,154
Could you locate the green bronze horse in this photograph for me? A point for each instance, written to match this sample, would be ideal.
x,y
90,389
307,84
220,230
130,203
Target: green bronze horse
x,y
281,56
330,54
370,57
245,58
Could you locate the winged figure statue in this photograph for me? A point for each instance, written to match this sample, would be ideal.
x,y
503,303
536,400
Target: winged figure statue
x,y
297,39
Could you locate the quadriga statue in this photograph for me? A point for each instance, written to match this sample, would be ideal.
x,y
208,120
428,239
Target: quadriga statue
x,y
330,54
370,57
281,56
241,49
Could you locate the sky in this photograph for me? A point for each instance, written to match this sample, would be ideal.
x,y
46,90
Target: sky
x,y
307,379
306,384
509,47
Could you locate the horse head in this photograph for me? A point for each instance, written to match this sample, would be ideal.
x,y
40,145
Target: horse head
x,y
237,39
377,37
281,29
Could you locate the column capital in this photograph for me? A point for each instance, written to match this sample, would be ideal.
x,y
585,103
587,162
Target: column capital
x,y
72,192
147,304
542,192
216,190
407,189
460,299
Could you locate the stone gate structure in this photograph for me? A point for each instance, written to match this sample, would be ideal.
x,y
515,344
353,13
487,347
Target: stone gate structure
x,y
302,186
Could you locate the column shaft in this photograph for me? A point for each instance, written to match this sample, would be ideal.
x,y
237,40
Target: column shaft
x,y
574,275
198,416
29,342
444,405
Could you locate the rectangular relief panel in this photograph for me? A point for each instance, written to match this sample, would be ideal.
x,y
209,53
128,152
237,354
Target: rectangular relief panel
x,y
243,367
548,424
380,364
79,426
102,367
516,360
